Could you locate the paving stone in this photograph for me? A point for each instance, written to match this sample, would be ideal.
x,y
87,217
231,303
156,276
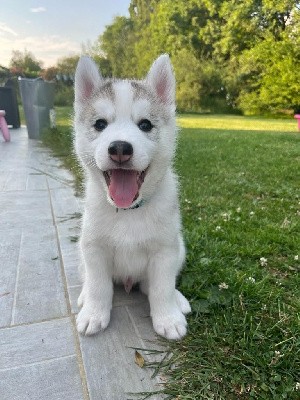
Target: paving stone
x,y
121,298
16,181
27,344
9,253
142,321
3,177
56,379
40,293
24,208
67,211
74,292
71,263
36,181
65,204
56,183
69,234
109,360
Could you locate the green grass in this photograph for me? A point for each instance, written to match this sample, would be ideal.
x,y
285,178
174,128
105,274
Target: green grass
x,y
240,201
60,141
230,122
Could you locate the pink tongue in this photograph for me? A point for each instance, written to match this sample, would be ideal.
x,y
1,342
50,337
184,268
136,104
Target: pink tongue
x,y
123,187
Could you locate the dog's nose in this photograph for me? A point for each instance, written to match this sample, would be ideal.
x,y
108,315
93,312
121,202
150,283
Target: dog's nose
x,y
120,151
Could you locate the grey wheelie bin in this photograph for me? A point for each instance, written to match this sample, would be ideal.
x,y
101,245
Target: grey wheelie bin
x,y
38,99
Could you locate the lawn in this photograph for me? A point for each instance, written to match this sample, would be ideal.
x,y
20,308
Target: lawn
x,y
240,201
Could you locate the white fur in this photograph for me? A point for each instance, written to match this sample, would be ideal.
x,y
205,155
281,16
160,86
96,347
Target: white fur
x,y
144,244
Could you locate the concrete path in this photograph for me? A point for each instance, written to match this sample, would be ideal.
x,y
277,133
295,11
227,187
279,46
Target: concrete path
x,y
41,355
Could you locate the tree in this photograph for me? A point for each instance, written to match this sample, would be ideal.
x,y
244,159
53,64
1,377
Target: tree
x,y
49,74
4,73
25,64
175,25
199,84
263,76
116,44
94,51
67,65
226,53
276,86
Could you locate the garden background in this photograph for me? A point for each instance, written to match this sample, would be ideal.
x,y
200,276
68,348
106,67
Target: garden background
x,y
239,174
228,56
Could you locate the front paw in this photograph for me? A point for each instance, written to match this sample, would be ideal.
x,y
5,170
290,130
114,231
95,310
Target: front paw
x,y
91,319
171,326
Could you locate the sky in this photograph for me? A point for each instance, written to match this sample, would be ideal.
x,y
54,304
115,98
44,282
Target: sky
x,y
52,29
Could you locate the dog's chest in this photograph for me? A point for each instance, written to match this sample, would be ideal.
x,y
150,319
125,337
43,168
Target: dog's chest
x,y
129,263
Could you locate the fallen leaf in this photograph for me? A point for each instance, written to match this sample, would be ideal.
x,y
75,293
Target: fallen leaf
x,y
139,359
4,294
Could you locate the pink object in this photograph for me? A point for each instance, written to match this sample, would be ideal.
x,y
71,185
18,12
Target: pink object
x,y
4,127
297,116
128,283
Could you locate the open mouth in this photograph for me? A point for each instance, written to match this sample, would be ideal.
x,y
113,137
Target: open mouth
x,y
124,185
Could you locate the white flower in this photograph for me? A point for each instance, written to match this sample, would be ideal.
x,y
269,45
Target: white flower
x,y
296,258
223,285
251,213
218,228
297,387
263,261
278,354
226,216
238,210
286,223
251,279
199,219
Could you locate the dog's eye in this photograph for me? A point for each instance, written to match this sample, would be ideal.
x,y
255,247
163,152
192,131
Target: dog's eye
x,y
145,125
100,124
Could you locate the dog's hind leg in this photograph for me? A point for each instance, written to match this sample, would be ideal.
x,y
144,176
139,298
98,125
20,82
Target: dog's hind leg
x,y
144,286
182,302
82,271
80,300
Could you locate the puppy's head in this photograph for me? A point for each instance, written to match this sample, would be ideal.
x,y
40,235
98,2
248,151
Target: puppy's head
x,y
125,129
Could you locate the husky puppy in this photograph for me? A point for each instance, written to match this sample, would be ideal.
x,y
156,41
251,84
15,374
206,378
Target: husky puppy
x,y
125,138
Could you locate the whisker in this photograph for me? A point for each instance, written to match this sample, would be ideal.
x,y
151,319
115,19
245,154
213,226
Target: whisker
x,y
88,160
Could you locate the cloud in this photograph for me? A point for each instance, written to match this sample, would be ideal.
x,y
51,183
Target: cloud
x,y
47,48
4,28
38,10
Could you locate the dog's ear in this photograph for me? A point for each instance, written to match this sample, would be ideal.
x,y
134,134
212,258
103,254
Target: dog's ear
x,y
161,78
87,78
